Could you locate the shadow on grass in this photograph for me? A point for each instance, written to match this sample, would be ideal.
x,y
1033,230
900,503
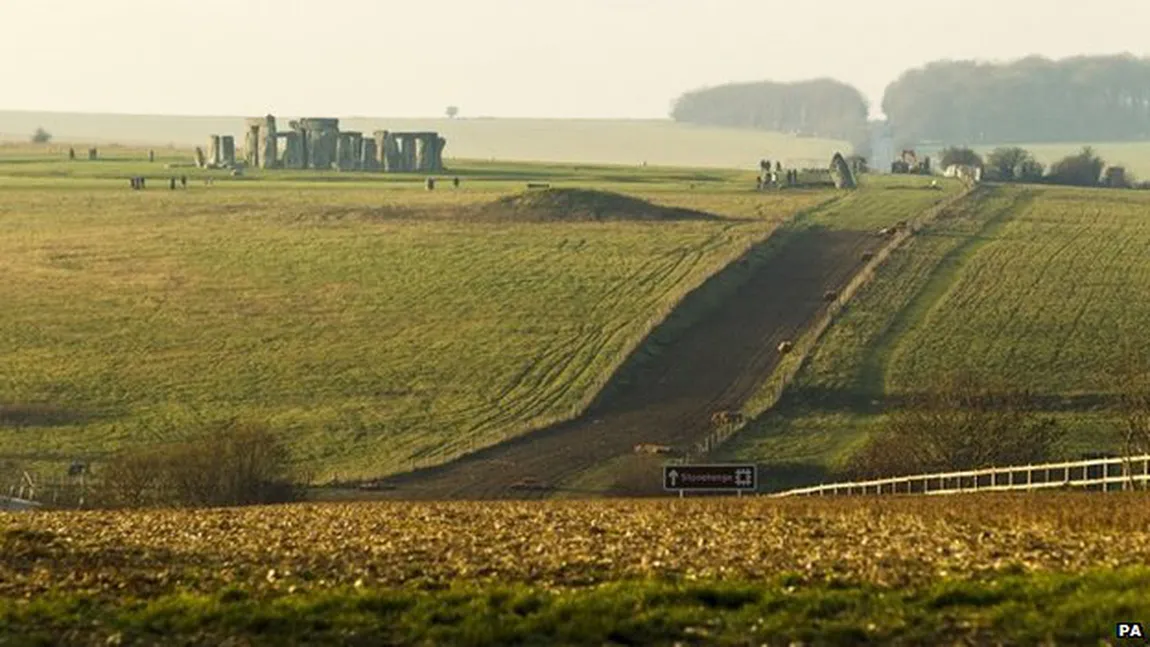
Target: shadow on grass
x,y
830,400
41,415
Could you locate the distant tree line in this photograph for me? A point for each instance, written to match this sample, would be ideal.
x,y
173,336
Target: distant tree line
x,y
822,107
1099,98
1085,98
1014,164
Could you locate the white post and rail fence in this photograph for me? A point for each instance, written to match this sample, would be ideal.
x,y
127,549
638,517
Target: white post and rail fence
x,y
1100,474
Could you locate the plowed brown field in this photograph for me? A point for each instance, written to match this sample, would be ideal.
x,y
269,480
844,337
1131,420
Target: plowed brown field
x,y
715,365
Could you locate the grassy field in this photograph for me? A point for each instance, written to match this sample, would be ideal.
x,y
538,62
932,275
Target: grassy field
x,y
377,324
1042,288
630,142
1055,568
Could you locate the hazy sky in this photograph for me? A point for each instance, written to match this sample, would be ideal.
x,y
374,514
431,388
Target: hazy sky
x,y
504,58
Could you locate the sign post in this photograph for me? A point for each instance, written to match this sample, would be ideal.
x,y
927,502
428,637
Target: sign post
x,y
713,478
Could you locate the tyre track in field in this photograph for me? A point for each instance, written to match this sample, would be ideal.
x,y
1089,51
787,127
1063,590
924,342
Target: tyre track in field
x,y
538,398
716,364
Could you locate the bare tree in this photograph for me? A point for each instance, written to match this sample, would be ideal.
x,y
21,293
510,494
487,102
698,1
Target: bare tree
x,y
959,424
1133,379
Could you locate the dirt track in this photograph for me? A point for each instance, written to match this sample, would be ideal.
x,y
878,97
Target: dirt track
x,y
715,365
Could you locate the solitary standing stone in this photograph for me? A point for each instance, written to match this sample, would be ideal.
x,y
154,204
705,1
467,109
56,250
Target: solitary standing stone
x,y
184,181
71,153
172,184
455,182
151,156
430,184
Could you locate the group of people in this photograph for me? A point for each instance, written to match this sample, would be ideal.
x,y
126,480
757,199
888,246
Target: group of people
x,y
430,183
138,183
768,177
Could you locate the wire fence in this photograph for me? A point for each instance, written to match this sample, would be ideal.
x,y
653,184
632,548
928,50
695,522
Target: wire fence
x,y
1103,474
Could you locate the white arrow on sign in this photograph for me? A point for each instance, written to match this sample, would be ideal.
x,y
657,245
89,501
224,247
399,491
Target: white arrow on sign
x,y
744,477
674,474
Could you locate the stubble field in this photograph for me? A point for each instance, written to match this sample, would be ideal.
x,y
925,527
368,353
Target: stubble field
x,y
1037,569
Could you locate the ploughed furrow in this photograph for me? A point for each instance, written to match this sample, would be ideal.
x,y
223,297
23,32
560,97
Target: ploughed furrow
x,y
716,364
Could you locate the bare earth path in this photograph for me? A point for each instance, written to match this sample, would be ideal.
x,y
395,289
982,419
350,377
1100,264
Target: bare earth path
x,y
715,365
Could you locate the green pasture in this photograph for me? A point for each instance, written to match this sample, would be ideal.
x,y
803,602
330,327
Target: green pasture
x,y
1041,288
367,318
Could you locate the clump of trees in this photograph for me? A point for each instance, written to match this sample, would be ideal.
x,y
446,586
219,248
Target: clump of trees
x,y
232,463
959,424
41,136
1013,164
820,107
960,156
1083,169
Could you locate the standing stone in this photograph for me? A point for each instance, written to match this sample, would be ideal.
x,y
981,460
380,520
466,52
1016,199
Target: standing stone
x,y
391,153
455,181
214,152
92,154
321,142
380,137
228,150
172,184
408,150
151,156
437,155
71,153
841,173
293,151
348,150
368,155
260,143
424,151
200,161
430,184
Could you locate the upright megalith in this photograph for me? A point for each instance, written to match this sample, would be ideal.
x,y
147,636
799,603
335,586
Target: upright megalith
x,y
227,150
348,146
215,154
93,154
389,151
261,142
841,173
293,155
424,152
429,151
321,140
201,161
409,160
71,153
368,156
